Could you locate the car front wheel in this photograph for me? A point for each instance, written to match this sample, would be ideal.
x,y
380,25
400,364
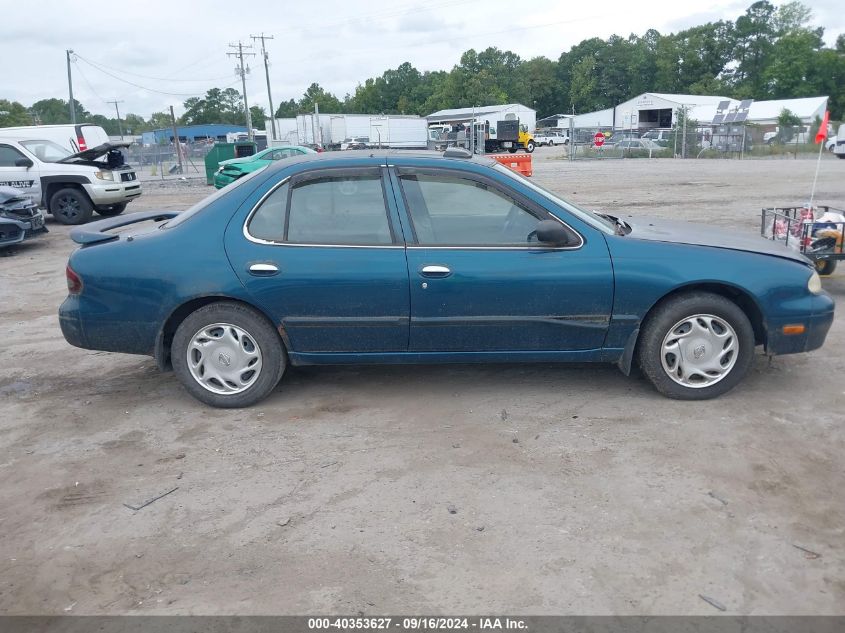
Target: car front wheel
x,y
530,147
696,346
71,206
228,355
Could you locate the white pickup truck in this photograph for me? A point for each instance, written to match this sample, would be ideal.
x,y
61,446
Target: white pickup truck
x,y
69,186
551,138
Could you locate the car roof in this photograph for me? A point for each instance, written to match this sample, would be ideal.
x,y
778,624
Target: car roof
x,y
391,157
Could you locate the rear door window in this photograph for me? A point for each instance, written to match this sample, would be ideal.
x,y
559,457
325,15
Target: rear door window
x,y
330,207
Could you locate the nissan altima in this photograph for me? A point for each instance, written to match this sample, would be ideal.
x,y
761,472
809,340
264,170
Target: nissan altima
x,y
390,257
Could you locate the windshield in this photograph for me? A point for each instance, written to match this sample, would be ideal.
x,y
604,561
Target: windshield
x,y
46,151
202,204
591,218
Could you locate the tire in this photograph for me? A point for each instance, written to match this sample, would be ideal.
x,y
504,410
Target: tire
x,y
668,323
825,267
840,155
245,334
530,147
115,209
71,206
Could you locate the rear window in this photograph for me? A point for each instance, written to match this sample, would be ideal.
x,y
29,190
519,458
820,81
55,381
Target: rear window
x,y
202,204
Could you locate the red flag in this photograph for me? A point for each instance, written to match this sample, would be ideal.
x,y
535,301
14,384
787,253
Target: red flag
x,y
822,133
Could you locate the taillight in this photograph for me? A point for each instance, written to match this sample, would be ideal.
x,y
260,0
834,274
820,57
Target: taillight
x,y
74,283
81,142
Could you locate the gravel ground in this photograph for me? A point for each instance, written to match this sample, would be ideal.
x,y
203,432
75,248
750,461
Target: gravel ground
x,y
462,489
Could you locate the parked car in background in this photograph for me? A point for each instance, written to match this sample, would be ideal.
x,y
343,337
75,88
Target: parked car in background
x,y
641,143
230,170
551,138
74,138
830,144
389,257
70,186
658,135
20,218
355,142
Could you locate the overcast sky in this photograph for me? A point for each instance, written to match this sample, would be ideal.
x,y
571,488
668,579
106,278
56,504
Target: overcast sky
x,y
180,47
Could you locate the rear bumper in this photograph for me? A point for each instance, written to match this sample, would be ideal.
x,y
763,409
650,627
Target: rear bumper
x,y
817,325
96,331
70,322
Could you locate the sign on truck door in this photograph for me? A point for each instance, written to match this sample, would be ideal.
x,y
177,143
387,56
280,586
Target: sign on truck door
x,y
13,174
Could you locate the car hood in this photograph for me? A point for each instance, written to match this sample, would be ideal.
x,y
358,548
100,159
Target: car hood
x,y
660,230
94,153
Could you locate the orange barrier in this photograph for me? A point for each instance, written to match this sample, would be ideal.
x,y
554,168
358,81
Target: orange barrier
x,y
518,162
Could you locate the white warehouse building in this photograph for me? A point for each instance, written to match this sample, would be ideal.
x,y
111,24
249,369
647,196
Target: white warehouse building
x,y
652,110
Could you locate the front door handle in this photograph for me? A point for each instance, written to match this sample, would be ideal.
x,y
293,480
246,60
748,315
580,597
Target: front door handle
x,y
434,270
263,270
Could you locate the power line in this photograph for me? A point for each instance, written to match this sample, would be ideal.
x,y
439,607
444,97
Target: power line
x,y
148,89
128,72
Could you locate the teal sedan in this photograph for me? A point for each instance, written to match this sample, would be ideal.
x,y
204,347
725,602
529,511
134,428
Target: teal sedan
x,y
230,170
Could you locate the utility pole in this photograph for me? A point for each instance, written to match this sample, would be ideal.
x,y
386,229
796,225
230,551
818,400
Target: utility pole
x,y
119,126
263,37
176,140
242,70
68,53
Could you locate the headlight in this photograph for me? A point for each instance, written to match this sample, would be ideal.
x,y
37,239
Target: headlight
x,y
814,283
104,175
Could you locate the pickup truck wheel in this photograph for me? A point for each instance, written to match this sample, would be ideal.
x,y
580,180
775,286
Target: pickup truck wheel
x,y
530,147
696,346
71,206
228,355
115,209
825,267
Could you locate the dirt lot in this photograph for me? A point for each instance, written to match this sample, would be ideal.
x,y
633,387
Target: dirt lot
x,y
463,489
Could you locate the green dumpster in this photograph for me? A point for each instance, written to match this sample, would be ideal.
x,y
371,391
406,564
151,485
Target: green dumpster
x,y
225,151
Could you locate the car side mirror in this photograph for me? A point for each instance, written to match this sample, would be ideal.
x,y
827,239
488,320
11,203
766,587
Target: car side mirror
x,y
23,162
552,232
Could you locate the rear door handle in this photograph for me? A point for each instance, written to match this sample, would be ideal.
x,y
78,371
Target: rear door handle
x,y
263,270
435,270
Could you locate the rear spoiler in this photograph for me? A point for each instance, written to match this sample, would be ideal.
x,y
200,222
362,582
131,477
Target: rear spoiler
x,y
95,232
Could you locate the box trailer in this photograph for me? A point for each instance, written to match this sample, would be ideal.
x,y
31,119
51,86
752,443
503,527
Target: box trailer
x,y
398,132
331,130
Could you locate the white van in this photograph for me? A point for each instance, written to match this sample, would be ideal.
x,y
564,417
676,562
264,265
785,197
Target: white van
x,y
74,138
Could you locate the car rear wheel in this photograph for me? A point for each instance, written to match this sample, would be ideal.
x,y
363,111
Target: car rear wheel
x,y
228,355
696,346
115,209
71,206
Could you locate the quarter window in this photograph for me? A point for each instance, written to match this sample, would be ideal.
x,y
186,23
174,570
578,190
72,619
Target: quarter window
x,y
449,210
8,156
268,221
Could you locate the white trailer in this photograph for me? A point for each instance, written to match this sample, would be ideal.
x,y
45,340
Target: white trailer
x,y
286,132
330,130
398,132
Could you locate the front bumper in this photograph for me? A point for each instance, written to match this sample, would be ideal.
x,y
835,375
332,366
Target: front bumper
x,y
14,231
816,325
222,179
113,192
